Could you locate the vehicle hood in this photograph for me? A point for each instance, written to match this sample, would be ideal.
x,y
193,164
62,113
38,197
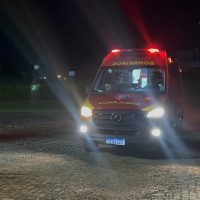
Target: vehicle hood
x,y
136,101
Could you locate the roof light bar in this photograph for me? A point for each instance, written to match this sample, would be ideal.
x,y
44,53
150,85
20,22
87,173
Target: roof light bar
x,y
115,50
152,50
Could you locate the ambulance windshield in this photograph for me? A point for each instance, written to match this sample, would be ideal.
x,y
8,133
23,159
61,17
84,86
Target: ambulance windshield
x,y
126,79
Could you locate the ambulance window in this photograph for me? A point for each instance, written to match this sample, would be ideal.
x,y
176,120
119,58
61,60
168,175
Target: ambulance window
x,y
105,81
144,79
139,76
129,79
112,80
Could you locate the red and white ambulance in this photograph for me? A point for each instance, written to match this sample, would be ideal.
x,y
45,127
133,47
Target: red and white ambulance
x,y
135,97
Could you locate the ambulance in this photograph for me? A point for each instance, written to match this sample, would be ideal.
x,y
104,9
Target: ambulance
x,y
135,98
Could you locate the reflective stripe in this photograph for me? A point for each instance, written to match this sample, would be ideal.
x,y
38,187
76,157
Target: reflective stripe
x,y
88,104
149,108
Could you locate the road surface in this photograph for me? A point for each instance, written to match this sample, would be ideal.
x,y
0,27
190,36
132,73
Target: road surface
x,y
41,157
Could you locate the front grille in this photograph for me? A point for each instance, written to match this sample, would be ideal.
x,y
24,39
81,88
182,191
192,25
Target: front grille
x,y
128,120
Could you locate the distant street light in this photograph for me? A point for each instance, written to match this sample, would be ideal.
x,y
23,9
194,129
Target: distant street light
x,y
36,67
59,76
72,73
35,87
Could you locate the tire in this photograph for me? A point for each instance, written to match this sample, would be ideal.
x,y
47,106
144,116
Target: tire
x,y
90,147
87,148
179,124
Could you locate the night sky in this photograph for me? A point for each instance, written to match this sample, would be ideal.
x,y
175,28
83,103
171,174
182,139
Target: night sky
x,y
79,33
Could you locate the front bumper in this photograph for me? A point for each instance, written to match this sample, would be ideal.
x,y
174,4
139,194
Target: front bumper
x,y
139,134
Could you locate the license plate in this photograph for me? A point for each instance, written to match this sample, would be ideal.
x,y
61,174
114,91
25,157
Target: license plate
x,y
115,141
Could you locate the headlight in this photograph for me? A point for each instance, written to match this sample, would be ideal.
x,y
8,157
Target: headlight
x,y
86,112
156,113
83,128
156,132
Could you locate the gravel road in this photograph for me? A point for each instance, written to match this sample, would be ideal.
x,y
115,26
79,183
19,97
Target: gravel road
x,y
41,157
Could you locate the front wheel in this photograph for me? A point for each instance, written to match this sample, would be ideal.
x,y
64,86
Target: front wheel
x,y
90,146
179,124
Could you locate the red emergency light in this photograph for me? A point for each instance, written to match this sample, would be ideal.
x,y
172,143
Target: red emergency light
x,y
115,50
152,50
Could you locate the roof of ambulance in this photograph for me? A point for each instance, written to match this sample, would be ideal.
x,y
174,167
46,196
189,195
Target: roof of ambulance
x,y
133,54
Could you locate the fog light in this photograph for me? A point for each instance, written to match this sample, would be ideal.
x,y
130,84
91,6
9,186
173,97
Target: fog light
x,y
83,128
156,132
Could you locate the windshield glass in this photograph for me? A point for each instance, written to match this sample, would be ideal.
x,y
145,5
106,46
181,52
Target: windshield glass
x,y
126,79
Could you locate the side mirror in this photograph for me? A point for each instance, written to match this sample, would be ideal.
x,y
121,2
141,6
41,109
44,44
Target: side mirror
x,y
87,90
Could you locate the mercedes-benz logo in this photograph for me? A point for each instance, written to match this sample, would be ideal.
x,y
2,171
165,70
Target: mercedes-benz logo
x,y
116,117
